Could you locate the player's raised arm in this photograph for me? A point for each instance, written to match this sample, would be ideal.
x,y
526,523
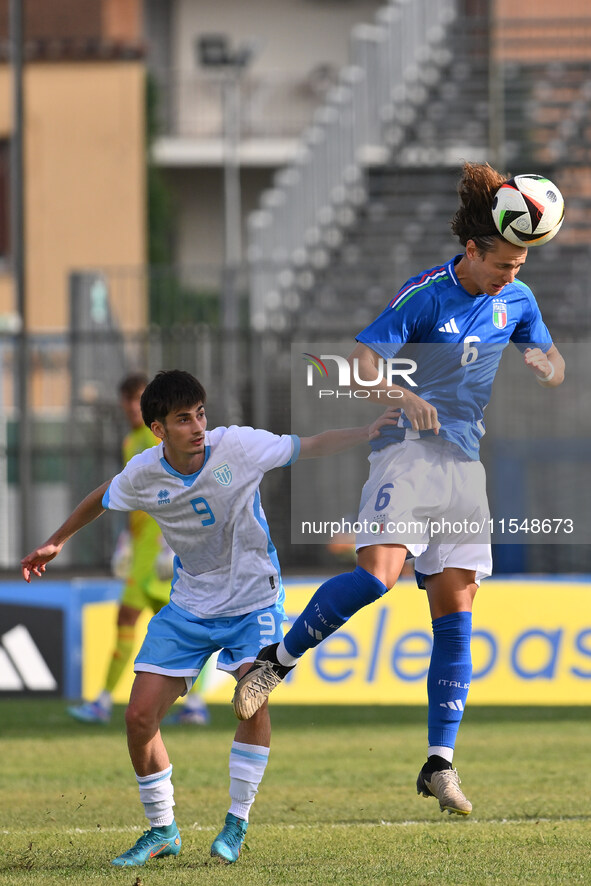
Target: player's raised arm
x,y
421,414
88,510
331,442
548,367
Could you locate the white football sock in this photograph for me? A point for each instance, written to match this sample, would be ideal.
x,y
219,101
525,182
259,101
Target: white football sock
x,y
283,656
446,753
105,700
247,767
156,793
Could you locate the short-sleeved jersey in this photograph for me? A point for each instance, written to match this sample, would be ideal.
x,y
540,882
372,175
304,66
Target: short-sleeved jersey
x,y
456,340
226,563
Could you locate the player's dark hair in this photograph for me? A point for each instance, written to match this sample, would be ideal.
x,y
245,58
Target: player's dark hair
x,y
168,391
132,383
473,220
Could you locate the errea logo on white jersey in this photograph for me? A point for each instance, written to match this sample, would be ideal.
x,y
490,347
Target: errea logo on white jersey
x,y
21,664
450,326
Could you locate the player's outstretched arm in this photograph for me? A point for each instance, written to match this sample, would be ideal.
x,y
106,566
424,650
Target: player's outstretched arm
x,y
331,442
421,414
88,510
548,367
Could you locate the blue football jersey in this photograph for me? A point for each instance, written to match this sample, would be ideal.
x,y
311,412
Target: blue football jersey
x,y
456,340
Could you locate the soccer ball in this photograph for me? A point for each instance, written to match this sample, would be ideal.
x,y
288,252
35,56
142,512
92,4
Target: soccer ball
x,y
528,210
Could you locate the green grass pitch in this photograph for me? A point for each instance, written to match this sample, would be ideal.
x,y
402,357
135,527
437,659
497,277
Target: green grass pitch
x,y
338,804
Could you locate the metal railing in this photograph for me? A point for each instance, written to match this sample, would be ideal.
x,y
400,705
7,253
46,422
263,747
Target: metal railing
x,y
272,105
315,198
77,447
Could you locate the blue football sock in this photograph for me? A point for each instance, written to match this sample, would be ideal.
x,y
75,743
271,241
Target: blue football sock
x,y
449,676
333,603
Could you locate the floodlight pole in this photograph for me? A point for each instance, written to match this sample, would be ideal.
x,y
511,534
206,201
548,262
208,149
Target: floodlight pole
x,y
496,92
18,268
232,194
214,51
232,240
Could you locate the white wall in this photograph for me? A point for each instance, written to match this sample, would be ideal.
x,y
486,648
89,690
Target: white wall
x,y
294,35
199,210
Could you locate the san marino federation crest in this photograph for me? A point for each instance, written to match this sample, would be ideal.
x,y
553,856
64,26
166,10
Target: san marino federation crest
x,y
223,475
499,312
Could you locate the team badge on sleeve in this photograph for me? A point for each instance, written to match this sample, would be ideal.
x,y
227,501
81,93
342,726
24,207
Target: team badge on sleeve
x,y
223,475
499,312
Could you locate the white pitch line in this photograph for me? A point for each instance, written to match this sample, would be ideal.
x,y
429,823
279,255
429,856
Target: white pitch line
x,y
345,825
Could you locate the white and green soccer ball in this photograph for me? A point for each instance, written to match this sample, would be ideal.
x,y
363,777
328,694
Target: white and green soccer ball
x,y
528,210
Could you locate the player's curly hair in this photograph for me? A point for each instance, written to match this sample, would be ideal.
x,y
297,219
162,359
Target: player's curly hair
x,y
473,220
170,390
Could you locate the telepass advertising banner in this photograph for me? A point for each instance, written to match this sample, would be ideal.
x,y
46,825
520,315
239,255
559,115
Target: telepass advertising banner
x,y
531,644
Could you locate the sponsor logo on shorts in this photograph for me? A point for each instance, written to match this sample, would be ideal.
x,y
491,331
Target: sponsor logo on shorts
x,y
377,526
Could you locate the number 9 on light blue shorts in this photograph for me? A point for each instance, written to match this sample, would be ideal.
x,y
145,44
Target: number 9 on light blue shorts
x,y
178,643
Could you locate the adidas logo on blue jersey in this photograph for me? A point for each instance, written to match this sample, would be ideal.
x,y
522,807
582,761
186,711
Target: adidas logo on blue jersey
x,y
450,326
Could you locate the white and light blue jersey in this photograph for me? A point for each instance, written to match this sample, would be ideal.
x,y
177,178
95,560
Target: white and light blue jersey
x,y
457,340
226,563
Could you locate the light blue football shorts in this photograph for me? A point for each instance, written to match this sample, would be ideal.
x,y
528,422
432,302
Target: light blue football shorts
x,y
178,643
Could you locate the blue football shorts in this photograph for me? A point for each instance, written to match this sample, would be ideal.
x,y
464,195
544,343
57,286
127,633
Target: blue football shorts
x,y
178,643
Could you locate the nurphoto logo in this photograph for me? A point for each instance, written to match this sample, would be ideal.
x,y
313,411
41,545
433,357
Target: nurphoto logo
x,y
392,370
